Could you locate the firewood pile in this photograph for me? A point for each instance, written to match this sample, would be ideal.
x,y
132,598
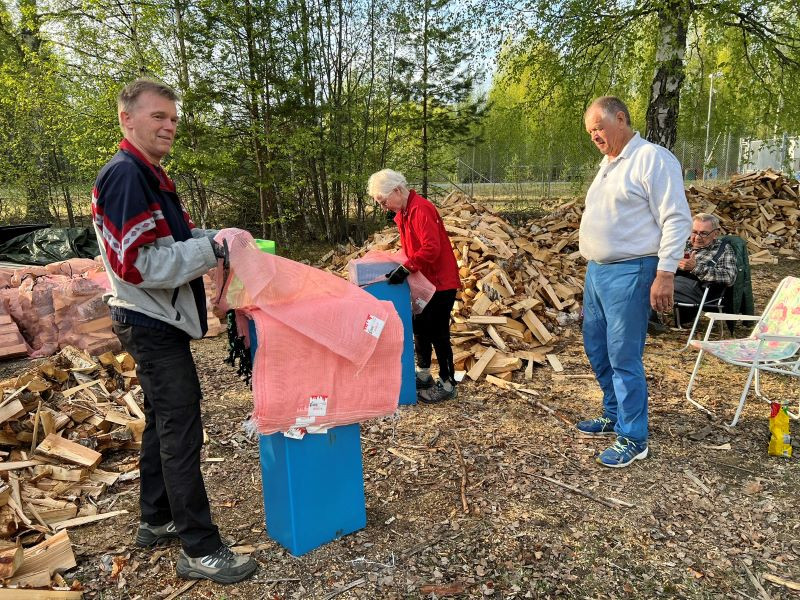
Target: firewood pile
x,y
56,422
520,286
763,208
61,305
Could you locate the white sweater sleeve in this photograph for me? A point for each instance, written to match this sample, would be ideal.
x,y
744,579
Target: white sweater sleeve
x,y
663,180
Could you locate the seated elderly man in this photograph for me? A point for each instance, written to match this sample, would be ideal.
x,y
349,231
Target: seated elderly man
x,y
707,261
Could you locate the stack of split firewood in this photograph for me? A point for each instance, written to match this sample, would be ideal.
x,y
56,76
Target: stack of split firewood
x,y
762,207
56,421
520,286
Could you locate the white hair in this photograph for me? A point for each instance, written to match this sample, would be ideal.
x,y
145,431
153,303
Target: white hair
x,y
708,218
384,181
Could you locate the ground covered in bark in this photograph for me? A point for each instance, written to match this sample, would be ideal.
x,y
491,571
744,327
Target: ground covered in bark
x,y
461,499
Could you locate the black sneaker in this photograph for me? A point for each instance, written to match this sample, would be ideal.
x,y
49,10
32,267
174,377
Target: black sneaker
x,y
155,535
423,383
436,394
222,566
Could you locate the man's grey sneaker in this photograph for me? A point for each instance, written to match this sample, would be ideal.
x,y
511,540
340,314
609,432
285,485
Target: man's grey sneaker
x,y
622,453
222,566
424,383
155,535
436,394
598,426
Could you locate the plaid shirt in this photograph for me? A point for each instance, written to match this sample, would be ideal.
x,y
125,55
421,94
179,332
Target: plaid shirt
x,y
723,271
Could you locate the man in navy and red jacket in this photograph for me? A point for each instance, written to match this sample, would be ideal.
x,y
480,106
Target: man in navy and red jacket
x,y
427,246
155,258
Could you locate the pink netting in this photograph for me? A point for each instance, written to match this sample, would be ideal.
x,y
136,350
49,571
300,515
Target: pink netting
x,y
39,321
328,352
83,318
62,304
359,271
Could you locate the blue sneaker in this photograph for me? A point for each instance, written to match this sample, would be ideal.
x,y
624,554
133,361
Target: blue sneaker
x,y
622,453
598,426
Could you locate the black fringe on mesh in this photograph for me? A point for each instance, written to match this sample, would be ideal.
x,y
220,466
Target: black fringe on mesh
x,y
237,352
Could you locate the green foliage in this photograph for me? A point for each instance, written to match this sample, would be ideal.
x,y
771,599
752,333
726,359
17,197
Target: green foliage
x,y
286,107
576,50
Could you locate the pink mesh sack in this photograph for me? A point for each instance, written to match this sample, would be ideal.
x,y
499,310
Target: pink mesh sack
x,y
375,264
83,319
39,323
328,352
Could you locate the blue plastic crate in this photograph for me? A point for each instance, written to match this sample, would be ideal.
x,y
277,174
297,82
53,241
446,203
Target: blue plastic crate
x,y
313,487
400,296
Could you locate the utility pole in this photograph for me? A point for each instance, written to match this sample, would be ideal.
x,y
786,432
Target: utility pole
x,y
706,157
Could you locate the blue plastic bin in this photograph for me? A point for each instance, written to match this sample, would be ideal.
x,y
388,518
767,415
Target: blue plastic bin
x,y
313,487
400,296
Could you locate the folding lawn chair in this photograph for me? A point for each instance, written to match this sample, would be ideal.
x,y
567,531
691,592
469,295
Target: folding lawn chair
x,y
716,293
735,298
773,345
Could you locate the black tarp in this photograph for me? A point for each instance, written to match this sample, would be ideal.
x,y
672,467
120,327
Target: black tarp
x,y
45,246
11,231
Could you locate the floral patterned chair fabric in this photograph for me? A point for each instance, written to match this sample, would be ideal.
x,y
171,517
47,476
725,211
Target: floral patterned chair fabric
x,y
773,345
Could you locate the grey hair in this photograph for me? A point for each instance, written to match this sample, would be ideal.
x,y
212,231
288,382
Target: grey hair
x,y
611,105
708,218
384,181
129,95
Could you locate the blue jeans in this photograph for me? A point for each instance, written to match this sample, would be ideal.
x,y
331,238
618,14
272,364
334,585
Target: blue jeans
x,y
616,307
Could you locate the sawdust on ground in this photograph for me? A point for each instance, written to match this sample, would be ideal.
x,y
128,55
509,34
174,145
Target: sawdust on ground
x,y
709,510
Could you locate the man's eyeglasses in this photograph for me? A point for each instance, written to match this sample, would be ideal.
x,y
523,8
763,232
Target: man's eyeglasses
x,y
703,234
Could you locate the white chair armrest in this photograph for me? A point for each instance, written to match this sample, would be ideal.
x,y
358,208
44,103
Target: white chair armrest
x,y
777,338
731,317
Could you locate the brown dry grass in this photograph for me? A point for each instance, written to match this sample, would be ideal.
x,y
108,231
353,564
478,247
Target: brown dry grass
x,y
701,517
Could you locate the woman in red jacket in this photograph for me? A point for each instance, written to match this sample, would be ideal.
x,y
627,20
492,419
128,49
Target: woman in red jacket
x,y
425,242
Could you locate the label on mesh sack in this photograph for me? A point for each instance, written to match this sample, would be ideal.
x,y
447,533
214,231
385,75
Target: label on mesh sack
x,y
317,406
420,303
304,422
374,326
317,429
295,433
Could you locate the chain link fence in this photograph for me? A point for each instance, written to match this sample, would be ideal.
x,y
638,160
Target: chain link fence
x,y
567,171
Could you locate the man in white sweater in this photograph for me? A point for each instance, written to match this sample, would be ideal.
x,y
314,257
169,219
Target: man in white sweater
x,y
632,234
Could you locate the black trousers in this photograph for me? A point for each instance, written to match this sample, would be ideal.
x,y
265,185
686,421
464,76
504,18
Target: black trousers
x,y
171,483
432,331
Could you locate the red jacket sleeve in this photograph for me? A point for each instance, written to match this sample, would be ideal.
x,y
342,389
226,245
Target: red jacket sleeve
x,y
424,225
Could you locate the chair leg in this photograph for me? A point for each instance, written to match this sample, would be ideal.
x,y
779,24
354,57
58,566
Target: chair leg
x,y
758,383
691,384
753,370
696,318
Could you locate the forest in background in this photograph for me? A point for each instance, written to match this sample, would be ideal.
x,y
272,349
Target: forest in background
x,y
288,106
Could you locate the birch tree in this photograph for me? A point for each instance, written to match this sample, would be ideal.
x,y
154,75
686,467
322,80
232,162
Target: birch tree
x,y
591,35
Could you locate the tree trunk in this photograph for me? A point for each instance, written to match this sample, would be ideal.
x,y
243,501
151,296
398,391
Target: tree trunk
x,y
254,108
665,91
425,101
188,113
62,177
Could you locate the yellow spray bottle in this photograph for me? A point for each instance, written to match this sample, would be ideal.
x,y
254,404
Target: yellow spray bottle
x,y
780,444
